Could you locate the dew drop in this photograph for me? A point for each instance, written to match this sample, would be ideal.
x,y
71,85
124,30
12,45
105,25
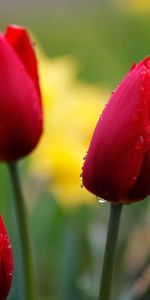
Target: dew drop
x,y
143,73
135,118
101,118
101,200
82,186
85,155
142,89
140,143
133,180
10,273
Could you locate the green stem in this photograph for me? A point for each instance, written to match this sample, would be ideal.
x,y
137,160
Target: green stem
x,y
110,249
21,217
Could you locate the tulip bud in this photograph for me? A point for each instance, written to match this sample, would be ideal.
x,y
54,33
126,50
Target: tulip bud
x,y
20,99
117,165
6,262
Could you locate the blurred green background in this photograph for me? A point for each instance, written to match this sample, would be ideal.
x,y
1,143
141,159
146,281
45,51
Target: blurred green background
x,y
84,49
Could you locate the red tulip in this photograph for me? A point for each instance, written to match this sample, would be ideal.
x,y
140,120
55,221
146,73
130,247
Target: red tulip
x,y
117,165
6,262
20,99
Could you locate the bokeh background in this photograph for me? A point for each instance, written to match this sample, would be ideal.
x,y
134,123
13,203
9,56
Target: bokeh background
x,y
84,48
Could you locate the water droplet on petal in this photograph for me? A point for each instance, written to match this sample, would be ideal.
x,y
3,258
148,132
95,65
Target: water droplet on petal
x,y
10,274
140,143
85,155
142,89
143,72
82,186
133,180
101,200
100,118
135,117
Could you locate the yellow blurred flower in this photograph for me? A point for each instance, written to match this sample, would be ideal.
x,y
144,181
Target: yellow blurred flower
x,y
71,109
135,6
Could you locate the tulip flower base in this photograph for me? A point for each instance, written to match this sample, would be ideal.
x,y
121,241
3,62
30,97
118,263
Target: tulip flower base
x,y
110,250
23,230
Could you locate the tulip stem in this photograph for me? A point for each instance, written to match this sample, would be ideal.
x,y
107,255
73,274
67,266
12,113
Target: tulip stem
x,y
21,217
110,249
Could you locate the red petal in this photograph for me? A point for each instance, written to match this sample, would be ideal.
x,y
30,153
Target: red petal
x,y
20,107
120,140
19,39
142,186
6,262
